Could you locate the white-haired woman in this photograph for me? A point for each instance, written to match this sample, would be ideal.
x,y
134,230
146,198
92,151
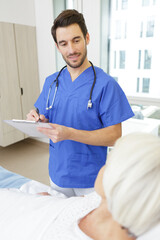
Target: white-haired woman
x,y
129,207
130,189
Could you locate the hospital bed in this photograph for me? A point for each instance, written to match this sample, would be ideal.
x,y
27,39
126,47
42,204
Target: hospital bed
x,y
13,180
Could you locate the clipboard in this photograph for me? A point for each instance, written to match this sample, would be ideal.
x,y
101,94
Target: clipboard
x,y
28,127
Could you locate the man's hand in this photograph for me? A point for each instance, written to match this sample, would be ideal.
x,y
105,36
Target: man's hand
x,y
100,137
34,116
57,133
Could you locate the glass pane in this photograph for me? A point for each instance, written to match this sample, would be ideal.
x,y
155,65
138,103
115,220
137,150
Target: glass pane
x,y
147,59
122,57
124,4
69,4
146,82
145,2
137,84
116,5
139,59
141,29
118,29
114,59
134,43
116,78
134,52
150,27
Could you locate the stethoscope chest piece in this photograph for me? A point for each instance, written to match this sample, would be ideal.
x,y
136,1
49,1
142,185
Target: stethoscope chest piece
x,y
89,104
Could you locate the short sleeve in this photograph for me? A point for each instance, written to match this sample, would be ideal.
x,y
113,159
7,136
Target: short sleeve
x,y
114,106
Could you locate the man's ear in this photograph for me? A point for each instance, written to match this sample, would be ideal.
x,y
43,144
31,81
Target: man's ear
x,y
57,46
87,38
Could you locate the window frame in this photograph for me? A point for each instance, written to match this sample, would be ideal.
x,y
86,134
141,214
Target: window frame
x,y
133,99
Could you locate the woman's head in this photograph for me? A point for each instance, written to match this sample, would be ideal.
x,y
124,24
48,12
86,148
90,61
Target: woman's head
x,y
131,182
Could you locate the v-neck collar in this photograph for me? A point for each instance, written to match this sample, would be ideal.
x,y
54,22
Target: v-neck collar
x,y
85,76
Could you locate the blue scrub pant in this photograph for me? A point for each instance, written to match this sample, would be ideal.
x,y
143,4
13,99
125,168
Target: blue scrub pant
x,y
70,192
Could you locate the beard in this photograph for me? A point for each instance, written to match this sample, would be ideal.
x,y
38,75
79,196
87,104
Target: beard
x,y
76,64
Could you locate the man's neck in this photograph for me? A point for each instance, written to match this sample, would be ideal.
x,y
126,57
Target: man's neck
x,y
75,72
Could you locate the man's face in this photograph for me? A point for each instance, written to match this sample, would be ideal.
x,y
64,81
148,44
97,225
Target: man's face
x,y
72,45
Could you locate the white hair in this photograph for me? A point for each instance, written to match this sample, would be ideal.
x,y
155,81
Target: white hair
x,y
132,182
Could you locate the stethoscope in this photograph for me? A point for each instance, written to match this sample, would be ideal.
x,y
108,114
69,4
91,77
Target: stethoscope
x,y
89,105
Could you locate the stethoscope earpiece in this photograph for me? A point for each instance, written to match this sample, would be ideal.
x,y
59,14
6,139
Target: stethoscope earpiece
x,y
89,105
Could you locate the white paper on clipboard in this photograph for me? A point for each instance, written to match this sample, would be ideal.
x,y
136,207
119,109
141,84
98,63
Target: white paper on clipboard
x,y
28,127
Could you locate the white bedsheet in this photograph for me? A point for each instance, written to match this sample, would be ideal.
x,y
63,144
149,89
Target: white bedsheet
x,y
34,187
30,216
26,216
19,212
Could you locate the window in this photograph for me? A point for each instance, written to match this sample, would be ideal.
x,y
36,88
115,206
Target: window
x,y
121,29
150,27
139,59
122,57
134,51
116,78
134,42
118,29
147,59
141,29
145,87
115,59
121,4
116,5
145,2
124,4
138,84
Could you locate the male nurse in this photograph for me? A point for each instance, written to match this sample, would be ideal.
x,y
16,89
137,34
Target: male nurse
x,y
85,108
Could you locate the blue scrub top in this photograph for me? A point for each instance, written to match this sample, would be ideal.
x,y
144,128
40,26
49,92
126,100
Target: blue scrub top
x,y
73,164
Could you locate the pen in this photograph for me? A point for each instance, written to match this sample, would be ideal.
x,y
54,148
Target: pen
x,y
37,110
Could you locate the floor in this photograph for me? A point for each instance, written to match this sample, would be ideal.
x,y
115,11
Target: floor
x,y
28,158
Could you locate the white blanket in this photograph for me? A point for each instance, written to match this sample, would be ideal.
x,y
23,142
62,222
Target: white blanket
x,y
26,216
30,216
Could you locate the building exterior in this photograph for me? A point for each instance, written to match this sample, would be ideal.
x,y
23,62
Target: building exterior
x,y
135,46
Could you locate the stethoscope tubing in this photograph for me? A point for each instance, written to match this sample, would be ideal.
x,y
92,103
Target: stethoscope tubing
x,y
57,83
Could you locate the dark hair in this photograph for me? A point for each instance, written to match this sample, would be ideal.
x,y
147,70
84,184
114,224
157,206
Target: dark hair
x,y
66,18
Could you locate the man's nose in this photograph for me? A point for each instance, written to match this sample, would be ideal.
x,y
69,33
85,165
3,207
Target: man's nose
x,y
71,48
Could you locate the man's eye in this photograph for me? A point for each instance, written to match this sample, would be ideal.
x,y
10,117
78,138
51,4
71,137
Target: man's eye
x,y
63,44
76,41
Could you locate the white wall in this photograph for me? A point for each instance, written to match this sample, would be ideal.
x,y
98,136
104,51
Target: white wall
x,y
39,13
91,12
17,11
45,43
